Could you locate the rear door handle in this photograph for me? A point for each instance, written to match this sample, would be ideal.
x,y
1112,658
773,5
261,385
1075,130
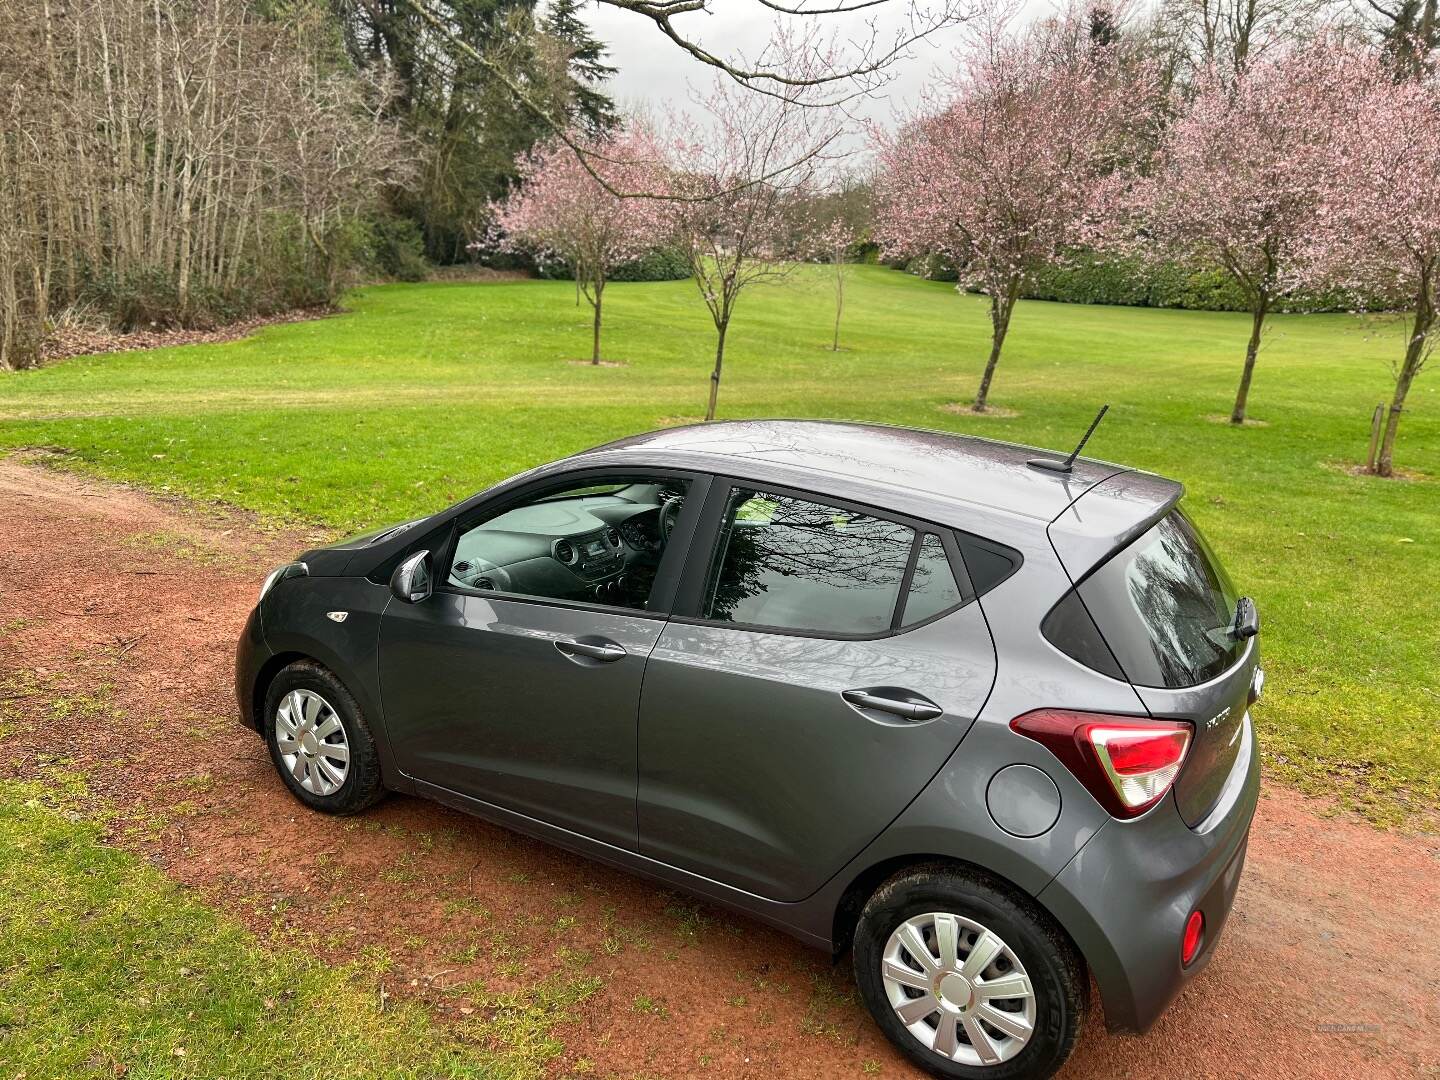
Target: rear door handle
x,y
606,652
902,703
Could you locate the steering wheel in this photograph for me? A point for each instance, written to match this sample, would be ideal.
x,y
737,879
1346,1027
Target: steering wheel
x,y
669,515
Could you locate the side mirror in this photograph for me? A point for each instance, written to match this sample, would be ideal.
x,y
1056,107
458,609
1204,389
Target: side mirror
x,y
411,580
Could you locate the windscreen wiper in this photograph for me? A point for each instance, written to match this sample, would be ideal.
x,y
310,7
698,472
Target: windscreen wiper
x,y
1247,619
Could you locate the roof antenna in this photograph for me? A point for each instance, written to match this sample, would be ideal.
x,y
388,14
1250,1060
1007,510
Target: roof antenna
x,y
1068,465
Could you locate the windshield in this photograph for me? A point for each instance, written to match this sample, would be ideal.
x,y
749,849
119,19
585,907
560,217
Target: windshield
x,y
589,492
1166,607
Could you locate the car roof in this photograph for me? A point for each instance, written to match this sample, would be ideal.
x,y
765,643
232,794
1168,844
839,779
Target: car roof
x,y
941,465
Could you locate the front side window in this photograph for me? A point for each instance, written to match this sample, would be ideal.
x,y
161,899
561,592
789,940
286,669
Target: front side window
x,y
1166,608
790,564
596,542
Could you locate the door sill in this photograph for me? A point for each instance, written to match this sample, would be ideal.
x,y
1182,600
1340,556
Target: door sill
x,y
777,913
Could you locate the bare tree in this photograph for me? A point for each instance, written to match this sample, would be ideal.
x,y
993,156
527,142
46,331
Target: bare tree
x,y
335,153
1226,35
809,61
742,167
859,63
161,154
855,62
1409,32
835,223
832,243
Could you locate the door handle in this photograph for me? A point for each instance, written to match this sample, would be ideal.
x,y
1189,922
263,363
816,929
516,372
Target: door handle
x,y
901,703
607,652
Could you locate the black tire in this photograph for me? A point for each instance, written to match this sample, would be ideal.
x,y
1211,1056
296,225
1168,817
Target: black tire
x,y
1057,975
362,787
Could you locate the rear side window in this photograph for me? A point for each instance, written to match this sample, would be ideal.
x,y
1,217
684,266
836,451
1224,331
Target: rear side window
x,y
790,564
1165,607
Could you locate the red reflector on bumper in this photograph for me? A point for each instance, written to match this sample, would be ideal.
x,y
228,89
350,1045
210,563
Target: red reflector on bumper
x,y
1194,934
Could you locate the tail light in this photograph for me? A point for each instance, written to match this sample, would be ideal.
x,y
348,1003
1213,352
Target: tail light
x,y
1127,764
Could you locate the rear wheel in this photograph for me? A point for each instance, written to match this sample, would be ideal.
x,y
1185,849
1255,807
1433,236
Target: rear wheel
x,y
968,978
320,742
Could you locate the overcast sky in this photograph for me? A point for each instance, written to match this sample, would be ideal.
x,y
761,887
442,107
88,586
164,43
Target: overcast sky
x,y
654,71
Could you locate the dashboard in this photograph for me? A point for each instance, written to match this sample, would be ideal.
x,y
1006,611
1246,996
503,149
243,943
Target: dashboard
x,y
602,547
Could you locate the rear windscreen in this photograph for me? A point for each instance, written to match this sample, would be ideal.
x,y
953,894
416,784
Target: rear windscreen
x,y
1166,607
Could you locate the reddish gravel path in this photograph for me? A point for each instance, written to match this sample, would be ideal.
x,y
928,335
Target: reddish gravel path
x,y
1336,923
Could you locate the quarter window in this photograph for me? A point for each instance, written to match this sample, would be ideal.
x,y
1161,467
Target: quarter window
x,y
791,564
933,589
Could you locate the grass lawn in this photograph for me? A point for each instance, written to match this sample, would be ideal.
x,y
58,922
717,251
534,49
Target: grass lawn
x,y
426,393
108,969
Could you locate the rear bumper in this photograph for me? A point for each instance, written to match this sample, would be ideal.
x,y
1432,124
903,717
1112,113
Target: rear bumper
x,y
1126,896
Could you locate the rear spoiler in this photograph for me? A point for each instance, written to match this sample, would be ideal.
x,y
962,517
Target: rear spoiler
x,y
1107,516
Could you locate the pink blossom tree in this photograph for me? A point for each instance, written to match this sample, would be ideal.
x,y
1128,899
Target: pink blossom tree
x,y
832,243
842,221
1379,226
1241,174
561,211
742,169
1000,180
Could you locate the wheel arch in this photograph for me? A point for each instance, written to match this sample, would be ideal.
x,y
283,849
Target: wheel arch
x,y
266,675
863,885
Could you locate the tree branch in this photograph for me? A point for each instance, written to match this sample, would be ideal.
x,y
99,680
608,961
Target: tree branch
x,y
561,131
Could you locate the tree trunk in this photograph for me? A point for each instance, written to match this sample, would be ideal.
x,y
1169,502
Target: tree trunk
x,y
715,375
1002,304
1415,354
839,307
1257,326
182,281
326,263
595,303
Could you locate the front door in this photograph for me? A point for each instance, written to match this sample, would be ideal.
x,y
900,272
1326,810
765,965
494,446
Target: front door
x,y
518,681
829,667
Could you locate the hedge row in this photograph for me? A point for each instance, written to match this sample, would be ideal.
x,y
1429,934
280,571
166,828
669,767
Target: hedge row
x,y
289,276
1088,278
662,264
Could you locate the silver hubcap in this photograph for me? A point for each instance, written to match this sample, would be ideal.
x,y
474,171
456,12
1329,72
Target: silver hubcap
x,y
959,989
312,741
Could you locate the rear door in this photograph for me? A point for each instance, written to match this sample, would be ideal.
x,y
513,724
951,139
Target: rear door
x,y
824,662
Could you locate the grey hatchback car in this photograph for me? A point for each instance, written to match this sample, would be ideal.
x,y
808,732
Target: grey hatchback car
x,y
977,719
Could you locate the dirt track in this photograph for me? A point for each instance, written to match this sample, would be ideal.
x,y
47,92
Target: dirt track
x,y
1330,965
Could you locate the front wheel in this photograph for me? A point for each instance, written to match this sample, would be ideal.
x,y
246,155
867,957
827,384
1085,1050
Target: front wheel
x,y
969,979
320,742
